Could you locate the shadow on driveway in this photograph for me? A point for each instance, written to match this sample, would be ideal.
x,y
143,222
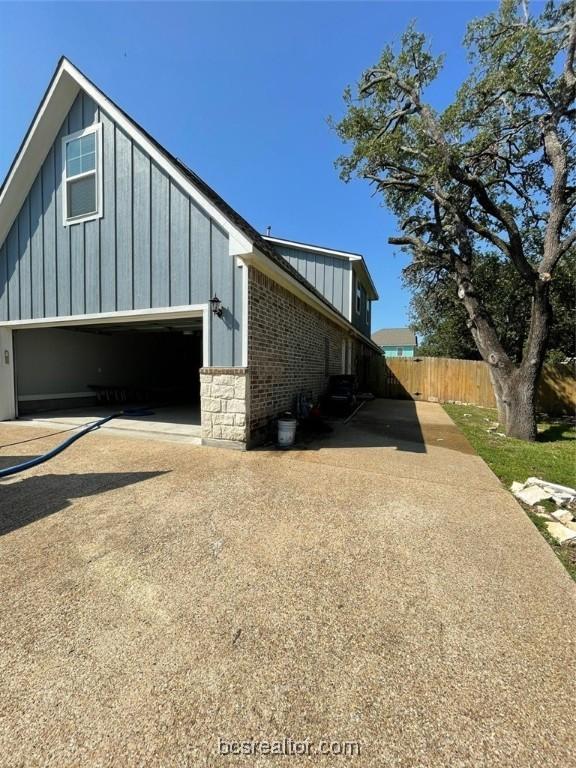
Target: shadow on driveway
x,y
402,425
25,499
377,424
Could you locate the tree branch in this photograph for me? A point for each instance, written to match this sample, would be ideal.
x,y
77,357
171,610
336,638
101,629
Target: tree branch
x,y
559,209
424,249
568,242
569,76
514,248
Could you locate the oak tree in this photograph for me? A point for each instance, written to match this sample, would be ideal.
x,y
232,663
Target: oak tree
x,y
493,172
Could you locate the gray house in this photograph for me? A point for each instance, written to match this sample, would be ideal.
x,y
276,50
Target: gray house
x,y
123,274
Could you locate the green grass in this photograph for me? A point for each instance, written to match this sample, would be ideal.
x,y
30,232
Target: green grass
x,y
552,458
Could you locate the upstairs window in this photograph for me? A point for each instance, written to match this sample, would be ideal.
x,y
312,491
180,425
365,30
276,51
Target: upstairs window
x,y
358,298
367,311
82,187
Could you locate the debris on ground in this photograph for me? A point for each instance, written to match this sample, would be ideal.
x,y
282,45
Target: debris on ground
x,y
529,494
561,523
535,490
560,494
563,516
561,533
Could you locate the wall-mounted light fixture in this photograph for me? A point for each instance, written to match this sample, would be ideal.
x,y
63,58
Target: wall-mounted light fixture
x,y
216,305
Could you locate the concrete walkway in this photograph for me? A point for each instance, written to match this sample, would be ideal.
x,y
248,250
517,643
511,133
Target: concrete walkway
x,y
379,587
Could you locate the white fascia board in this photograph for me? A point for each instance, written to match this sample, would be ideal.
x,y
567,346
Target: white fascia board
x,y
241,265
60,97
206,335
40,138
364,270
350,294
264,264
313,248
8,406
104,318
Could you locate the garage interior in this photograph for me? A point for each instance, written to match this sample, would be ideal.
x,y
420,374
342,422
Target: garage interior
x,y
75,374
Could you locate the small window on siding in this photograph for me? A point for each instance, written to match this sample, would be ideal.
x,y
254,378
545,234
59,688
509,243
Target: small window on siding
x,y
82,175
358,298
367,311
399,352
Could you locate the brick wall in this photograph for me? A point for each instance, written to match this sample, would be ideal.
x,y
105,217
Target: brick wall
x,y
292,348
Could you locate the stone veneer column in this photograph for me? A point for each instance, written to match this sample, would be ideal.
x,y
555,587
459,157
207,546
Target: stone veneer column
x,y
224,404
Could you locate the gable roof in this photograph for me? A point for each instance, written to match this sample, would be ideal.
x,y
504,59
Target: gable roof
x,y
395,337
356,258
63,88
67,81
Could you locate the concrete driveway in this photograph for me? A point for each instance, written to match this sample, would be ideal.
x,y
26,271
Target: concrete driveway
x,y
377,587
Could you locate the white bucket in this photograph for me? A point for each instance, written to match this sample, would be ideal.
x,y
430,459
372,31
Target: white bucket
x,y
286,432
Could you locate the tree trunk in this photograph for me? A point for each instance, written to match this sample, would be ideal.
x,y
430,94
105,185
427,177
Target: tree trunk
x,y
515,392
520,404
497,386
514,386
522,384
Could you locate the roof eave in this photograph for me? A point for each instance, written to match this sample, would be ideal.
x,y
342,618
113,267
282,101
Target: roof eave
x,y
313,248
57,100
66,82
373,293
355,258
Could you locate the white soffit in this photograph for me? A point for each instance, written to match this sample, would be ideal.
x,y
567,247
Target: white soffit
x,y
313,248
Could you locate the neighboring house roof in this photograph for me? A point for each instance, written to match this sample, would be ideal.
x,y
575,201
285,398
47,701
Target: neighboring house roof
x,y
357,258
63,88
394,337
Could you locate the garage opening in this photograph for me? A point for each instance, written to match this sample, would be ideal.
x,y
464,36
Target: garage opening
x,y
75,374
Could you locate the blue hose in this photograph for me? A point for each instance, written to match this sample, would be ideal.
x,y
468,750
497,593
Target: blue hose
x,y
59,448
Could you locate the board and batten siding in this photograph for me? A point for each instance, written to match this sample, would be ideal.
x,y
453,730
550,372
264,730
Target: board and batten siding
x,y
153,247
330,275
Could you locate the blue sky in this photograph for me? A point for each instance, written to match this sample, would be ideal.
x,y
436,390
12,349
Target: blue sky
x,y
240,91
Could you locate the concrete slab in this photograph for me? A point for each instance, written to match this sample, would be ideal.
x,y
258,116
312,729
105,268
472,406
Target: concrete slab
x,y
381,587
173,423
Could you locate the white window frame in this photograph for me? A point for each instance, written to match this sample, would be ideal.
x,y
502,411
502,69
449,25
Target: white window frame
x,y
358,298
97,172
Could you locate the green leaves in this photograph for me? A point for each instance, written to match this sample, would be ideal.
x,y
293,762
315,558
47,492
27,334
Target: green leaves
x,y
490,181
439,317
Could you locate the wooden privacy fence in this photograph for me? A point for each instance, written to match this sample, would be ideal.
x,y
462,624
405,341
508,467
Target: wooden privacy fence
x,y
444,380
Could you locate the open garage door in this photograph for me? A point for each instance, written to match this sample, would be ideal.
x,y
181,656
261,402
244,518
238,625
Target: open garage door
x,y
74,373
